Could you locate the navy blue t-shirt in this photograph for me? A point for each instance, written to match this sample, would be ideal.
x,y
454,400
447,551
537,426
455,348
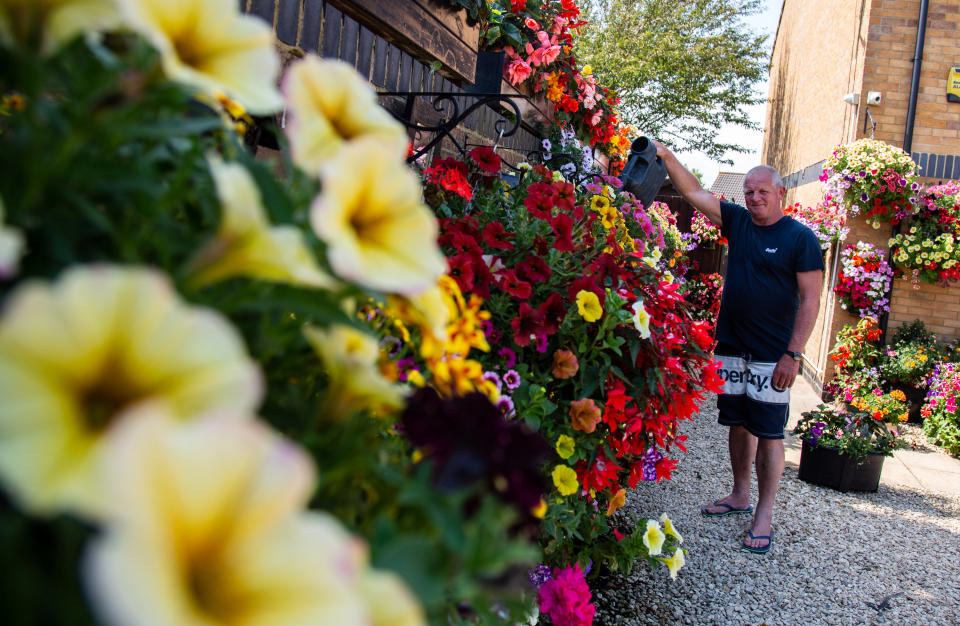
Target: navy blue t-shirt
x,y
760,295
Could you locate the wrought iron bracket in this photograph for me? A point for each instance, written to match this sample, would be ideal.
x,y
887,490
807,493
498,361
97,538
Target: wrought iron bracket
x,y
449,106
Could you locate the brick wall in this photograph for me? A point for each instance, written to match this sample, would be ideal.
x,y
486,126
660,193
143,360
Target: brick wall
x,y
826,49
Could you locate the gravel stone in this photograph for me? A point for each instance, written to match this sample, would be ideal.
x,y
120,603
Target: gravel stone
x,y
891,557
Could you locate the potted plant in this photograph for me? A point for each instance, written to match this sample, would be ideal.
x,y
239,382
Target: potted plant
x,y
843,450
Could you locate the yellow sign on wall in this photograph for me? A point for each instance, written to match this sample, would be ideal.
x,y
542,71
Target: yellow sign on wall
x,y
953,85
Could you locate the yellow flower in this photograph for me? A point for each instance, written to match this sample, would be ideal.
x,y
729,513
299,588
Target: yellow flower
x,y
588,306
48,24
600,204
74,355
330,104
11,248
566,446
350,360
540,510
899,395
641,319
617,501
206,526
653,538
371,215
210,45
669,529
674,563
565,480
246,244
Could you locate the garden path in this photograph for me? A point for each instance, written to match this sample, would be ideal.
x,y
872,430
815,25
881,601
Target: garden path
x,y
835,557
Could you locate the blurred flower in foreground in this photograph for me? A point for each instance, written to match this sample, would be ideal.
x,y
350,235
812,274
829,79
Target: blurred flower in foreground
x,y
210,45
469,440
566,597
11,248
372,217
48,24
205,526
674,563
75,354
653,538
246,244
330,104
350,359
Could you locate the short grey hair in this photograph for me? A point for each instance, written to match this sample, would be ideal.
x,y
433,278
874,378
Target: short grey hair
x,y
774,174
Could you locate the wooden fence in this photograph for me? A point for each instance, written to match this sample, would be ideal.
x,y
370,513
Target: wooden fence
x,y
402,46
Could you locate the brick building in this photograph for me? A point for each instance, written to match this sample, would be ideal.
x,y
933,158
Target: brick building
x,y
830,60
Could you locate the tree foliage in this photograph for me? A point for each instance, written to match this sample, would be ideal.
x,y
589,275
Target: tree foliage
x,y
683,68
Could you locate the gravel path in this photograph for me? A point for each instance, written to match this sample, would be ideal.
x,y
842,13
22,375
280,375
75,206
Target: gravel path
x,y
833,554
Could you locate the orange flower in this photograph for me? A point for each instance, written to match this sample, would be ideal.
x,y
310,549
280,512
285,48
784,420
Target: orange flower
x,y
617,501
585,415
877,415
565,365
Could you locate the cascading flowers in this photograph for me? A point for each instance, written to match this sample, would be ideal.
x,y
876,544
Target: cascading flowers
x,y
872,178
930,250
827,220
864,280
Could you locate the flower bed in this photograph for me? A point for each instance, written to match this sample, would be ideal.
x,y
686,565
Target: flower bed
x,y
941,423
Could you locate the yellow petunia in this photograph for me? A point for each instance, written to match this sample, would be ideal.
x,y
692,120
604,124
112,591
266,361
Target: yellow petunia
x,y
588,306
565,446
206,526
540,510
565,480
600,204
76,354
669,529
371,214
246,244
653,538
46,25
674,563
350,360
328,105
210,45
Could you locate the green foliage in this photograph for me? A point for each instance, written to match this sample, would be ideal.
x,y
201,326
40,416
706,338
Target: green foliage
x,y
683,68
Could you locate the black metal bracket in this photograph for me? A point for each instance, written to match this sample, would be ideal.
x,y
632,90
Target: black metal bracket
x,y
448,104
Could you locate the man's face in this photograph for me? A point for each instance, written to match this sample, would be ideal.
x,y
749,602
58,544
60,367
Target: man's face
x,y
762,197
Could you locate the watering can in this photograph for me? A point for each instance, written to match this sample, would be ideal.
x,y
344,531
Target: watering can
x,y
644,172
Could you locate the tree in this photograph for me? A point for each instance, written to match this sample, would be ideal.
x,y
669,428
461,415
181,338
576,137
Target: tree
x,y
683,68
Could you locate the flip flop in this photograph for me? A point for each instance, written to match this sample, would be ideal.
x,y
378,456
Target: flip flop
x,y
730,509
762,550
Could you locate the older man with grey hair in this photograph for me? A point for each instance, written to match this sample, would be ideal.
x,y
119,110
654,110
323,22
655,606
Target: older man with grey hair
x,y
771,295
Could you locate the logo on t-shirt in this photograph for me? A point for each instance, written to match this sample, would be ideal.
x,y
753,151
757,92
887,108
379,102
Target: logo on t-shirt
x,y
771,250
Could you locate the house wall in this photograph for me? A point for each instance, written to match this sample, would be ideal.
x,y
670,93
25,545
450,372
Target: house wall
x,y
826,49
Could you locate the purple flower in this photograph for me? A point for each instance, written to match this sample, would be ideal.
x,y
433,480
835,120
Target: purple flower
x,y
509,356
650,458
541,344
505,404
391,345
594,188
511,379
539,575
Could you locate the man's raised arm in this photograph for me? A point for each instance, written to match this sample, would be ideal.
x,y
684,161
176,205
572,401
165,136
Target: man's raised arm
x,y
688,185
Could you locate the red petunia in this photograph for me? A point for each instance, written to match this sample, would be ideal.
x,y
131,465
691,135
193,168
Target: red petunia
x,y
562,226
461,270
517,288
488,160
554,310
566,196
534,269
540,200
496,236
529,323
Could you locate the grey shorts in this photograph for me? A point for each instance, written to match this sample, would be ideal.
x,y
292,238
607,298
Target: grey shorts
x,y
748,398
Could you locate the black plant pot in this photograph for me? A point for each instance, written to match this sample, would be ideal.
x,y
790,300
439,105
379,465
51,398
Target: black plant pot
x,y
825,466
489,73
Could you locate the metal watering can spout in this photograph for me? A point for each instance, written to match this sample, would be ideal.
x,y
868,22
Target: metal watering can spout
x,y
644,172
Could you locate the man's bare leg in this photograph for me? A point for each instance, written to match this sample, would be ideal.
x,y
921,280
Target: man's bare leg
x,y
743,449
770,460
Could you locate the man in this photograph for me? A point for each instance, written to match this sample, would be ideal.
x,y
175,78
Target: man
x,y
769,306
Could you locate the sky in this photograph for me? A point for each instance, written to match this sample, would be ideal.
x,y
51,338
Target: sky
x,y
764,23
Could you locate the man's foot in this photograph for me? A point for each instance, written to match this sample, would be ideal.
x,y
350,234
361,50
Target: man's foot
x,y
760,536
726,506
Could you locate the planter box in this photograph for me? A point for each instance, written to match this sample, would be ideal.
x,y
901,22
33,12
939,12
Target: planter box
x,y
824,466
